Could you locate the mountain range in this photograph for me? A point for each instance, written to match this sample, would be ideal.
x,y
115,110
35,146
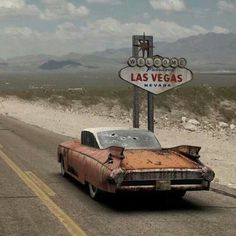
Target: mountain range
x,y
205,52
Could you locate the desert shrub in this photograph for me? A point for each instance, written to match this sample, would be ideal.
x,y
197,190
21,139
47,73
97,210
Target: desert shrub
x,y
229,115
197,100
228,93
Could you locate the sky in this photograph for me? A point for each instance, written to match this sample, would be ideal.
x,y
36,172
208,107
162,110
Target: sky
x,y
59,27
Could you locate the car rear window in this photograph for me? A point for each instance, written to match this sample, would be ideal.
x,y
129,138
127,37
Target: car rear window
x,y
134,139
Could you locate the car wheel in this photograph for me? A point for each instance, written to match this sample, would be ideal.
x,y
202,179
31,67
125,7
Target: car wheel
x,y
93,191
63,172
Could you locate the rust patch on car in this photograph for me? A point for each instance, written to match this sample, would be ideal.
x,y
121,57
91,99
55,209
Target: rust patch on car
x,y
149,159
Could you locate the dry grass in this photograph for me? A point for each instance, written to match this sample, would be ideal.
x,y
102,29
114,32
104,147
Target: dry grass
x,y
198,101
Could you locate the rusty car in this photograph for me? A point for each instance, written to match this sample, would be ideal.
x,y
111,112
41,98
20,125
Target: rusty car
x,y
131,159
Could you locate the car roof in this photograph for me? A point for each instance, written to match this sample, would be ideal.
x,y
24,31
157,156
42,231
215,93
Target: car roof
x,y
102,129
126,130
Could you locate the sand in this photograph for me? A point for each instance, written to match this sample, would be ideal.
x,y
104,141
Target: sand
x,y
217,152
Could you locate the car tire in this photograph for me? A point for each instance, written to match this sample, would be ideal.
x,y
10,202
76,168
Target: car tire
x,y
93,191
63,171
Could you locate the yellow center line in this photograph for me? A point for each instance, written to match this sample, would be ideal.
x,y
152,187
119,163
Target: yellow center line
x,y
68,223
40,184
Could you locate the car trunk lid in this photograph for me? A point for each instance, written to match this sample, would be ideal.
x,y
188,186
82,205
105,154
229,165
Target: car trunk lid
x,y
152,159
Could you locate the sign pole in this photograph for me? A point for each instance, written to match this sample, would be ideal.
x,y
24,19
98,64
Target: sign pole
x,y
150,102
142,44
136,107
136,89
150,111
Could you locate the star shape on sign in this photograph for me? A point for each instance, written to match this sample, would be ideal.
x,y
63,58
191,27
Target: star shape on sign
x,y
143,45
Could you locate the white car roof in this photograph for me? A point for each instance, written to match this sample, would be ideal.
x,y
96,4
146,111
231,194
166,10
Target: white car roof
x,y
102,129
95,131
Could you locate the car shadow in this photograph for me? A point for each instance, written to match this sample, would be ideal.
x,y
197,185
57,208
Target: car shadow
x,y
148,201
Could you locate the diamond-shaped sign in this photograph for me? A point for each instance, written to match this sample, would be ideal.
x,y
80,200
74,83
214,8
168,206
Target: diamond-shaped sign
x,y
156,80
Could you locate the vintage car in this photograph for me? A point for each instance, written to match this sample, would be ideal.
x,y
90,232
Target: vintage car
x,y
129,159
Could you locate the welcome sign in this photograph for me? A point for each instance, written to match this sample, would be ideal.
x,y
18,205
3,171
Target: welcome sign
x,y
156,75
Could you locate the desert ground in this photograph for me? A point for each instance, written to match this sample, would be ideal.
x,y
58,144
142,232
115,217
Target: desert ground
x,y
218,144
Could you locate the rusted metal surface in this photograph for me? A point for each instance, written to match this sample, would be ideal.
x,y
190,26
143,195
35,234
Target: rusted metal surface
x,y
91,165
115,169
146,159
191,152
192,187
163,174
178,179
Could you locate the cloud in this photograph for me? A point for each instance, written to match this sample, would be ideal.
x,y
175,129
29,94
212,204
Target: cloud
x,y
226,6
111,33
16,41
52,9
15,8
220,30
68,31
168,5
162,30
12,3
112,2
19,32
61,9
92,36
199,29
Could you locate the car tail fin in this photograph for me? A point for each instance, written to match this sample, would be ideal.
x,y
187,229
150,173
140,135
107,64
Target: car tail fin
x,y
117,152
191,152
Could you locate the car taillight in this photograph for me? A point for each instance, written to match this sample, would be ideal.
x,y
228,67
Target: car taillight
x,y
208,174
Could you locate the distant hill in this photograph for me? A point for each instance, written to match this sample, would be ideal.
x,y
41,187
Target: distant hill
x,y
29,63
204,52
30,59
3,63
53,65
71,56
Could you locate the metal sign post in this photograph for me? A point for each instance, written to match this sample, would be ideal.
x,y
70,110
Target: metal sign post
x,y
136,90
136,107
150,111
142,48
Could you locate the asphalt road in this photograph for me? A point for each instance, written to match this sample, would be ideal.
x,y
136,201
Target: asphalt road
x,y
30,207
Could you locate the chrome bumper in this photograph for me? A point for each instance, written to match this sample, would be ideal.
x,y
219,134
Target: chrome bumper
x,y
164,180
